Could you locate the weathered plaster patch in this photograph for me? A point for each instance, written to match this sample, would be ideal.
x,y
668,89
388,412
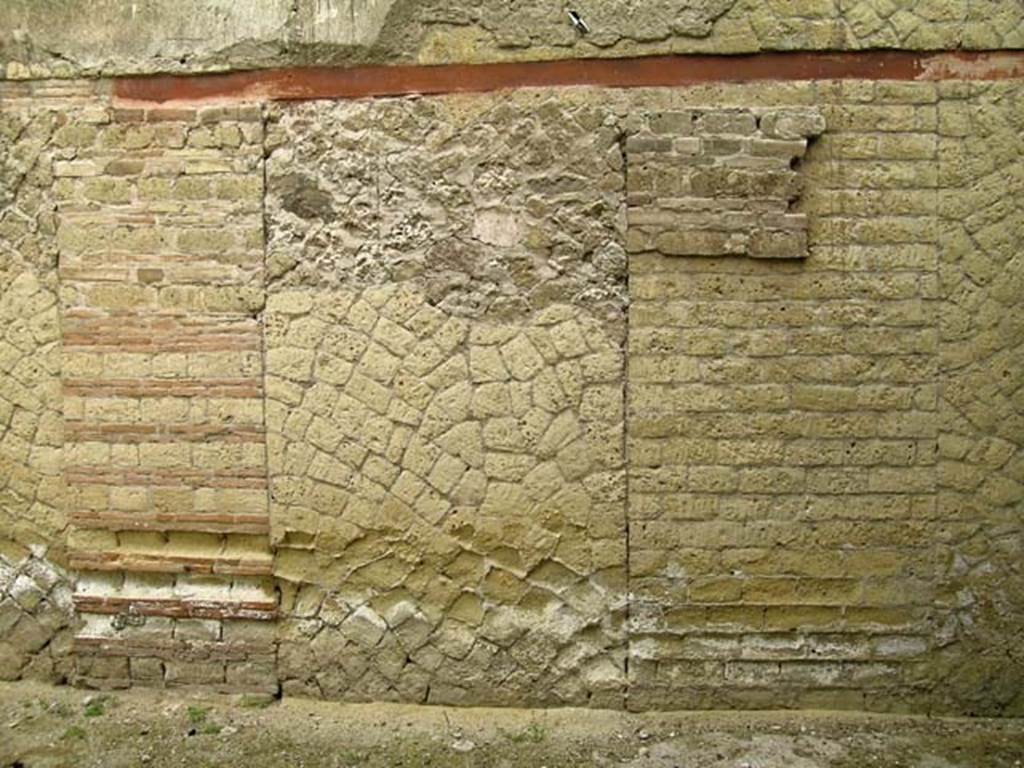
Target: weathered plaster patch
x,y
493,207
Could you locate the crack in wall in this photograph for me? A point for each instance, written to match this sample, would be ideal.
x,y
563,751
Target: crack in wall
x,y
621,143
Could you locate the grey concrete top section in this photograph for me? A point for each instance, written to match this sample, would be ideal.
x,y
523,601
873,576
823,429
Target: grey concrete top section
x,y
42,37
46,38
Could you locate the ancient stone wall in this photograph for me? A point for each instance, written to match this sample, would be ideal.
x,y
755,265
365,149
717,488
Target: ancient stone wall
x,y
36,615
660,397
445,330
782,427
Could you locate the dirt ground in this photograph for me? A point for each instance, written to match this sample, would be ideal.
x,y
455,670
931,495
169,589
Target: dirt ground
x,y
49,726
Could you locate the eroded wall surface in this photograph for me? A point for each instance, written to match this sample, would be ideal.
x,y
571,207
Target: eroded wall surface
x,y
445,331
692,397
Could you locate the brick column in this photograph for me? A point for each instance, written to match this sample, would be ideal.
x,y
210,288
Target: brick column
x,y
160,234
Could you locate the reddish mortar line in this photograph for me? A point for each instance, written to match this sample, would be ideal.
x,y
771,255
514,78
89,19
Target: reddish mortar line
x,y
245,387
243,477
156,563
296,84
82,432
177,608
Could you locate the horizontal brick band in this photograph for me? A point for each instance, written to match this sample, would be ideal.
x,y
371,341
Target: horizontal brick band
x,y
211,344
208,263
93,322
160,563
182,650
235,388
195,522
162,433
161,333
177,609
242,477
222,342
290,84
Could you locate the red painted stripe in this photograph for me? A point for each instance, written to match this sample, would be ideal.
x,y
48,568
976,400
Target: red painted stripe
x,y
289,84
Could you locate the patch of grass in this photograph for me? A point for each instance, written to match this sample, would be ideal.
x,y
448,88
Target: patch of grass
x,y
74,732
351,757
256,700
96,707
198,717
534,734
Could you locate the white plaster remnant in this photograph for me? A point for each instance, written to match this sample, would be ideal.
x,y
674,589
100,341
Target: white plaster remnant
x,y
496,227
